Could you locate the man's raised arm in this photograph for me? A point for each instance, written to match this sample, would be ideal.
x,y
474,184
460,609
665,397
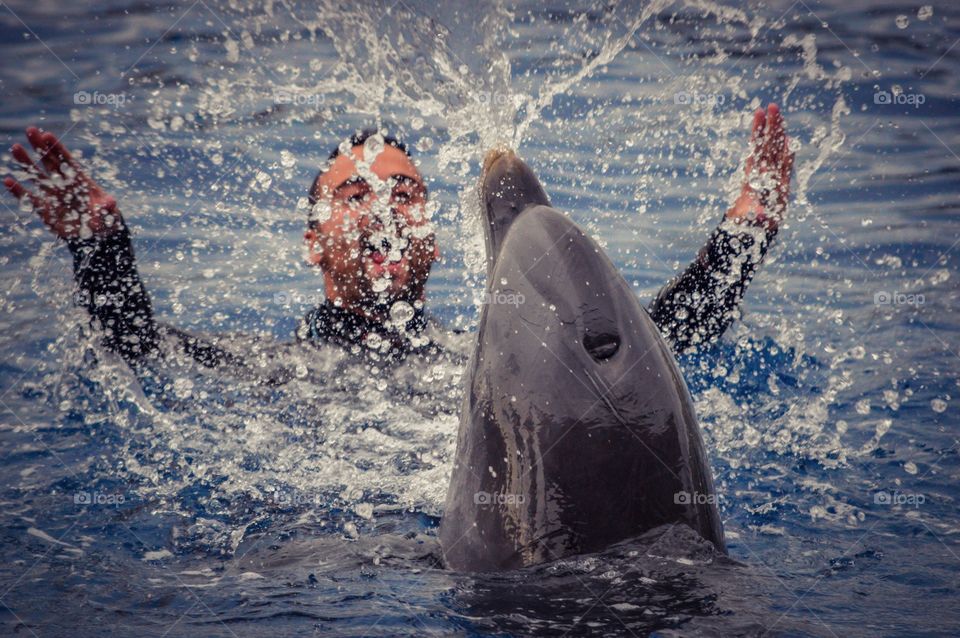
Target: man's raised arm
x,y
81,213
698,306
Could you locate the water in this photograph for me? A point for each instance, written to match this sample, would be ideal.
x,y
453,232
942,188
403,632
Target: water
x,y
188,503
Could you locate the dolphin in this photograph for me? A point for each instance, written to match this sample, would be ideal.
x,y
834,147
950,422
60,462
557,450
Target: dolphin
x,y
577,430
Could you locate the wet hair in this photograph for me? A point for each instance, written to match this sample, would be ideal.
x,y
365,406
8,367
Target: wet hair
x,y
357,139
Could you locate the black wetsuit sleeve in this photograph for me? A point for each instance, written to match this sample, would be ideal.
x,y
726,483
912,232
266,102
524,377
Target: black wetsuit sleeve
x,y
701,303
109,287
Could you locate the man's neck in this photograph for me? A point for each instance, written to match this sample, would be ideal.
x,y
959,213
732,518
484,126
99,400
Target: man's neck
x,y
335,296
372,312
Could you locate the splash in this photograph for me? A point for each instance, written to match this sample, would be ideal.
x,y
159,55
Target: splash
x,y
630,115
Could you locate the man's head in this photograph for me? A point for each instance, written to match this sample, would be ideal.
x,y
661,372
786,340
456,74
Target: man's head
x,y
368,228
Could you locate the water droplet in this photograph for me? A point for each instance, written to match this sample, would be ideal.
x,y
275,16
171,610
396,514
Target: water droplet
x,y
400,313
364,510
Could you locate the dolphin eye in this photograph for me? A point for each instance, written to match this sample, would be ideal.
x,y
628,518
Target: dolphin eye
x,y
601,346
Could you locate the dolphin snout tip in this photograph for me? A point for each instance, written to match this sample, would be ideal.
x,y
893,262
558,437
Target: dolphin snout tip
x,y
494,155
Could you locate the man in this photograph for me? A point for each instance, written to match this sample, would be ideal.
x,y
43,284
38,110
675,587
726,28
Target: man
x,y
369,233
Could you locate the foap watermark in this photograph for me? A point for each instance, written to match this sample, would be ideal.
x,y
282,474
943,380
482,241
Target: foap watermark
x,y
96,98
291,298
299,99
295,498
485,499
897,497
695,498
499,298
97,498
884,298
695,98
899,98
492,97
84,298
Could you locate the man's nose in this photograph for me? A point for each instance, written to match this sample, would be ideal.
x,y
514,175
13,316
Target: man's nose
x,y
369,220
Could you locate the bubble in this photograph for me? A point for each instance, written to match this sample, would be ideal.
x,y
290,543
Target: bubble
x,y
902,21
364,510
910,467
183,388
350,530
863,406
373,341
939,406
400,313
925,12
287,160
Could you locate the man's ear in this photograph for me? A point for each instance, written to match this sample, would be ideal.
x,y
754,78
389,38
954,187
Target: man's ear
x,y
314,251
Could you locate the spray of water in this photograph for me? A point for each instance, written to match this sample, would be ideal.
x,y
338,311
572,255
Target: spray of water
x,y
252,110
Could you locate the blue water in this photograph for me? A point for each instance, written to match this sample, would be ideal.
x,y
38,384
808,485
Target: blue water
x,y
192,503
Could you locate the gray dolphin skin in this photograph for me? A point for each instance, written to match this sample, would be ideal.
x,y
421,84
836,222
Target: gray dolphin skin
x,y
577,429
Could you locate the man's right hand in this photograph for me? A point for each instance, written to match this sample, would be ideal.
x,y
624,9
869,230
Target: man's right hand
x,y
67,200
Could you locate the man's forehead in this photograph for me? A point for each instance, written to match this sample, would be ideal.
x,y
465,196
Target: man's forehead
x,y
389,162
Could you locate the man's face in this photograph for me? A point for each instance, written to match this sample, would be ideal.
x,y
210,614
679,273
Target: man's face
x,y
371,236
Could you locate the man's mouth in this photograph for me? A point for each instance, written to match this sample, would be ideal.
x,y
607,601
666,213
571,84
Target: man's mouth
x,y
376,248
383,257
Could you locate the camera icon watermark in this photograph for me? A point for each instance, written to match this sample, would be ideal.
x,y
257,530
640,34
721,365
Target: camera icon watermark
x,y
695,498
884,298
898,498
883,98
96,98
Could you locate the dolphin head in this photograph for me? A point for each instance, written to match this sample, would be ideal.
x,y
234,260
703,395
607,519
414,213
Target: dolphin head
x,y
577,429
507,187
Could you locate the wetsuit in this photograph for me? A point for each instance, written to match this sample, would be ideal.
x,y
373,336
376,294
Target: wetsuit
x,y
695,308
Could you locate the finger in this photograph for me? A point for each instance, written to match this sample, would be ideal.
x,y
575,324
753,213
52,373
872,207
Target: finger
x,y
41,143
774,118
52,158
18,191
759,119
23,157
772,151
786,172
15,187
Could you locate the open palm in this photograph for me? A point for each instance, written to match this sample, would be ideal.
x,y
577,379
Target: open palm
x,y
67,200
766,186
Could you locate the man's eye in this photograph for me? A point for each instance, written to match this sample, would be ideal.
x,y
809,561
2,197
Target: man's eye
x,y
357,198
402,197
